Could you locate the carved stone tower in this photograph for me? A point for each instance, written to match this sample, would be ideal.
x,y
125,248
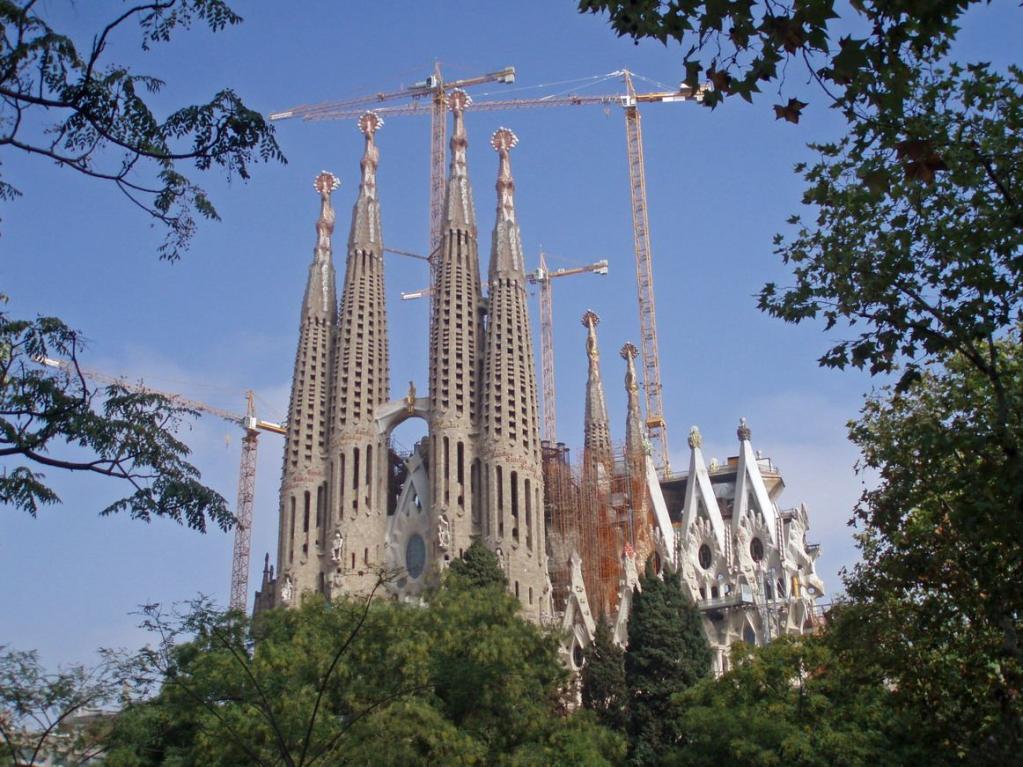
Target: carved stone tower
x,y
304,493
456,334
359,456
510,439
636,450
597,455
603,575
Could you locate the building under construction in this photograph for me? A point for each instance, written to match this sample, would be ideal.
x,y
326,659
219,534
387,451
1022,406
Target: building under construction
x,y
571,536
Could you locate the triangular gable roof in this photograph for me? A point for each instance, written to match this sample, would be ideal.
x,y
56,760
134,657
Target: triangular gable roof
x,y
699,491
748,480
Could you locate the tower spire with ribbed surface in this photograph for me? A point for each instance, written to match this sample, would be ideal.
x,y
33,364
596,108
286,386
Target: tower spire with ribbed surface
x,y
510,439
304,489
359,456
456,335
636,451
596,428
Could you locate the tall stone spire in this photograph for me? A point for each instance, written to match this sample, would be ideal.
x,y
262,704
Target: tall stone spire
x,y
359,455
456,334
510,440
304,478
602,576
596,428
636,452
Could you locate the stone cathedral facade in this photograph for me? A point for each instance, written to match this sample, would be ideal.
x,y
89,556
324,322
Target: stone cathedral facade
x,y
571,540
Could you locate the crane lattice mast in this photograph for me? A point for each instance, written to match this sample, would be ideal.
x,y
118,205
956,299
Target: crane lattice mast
x,y
246,474
542,277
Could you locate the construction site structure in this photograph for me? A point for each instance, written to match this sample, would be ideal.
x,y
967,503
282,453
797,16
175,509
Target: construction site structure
x,y
629,101
251,425
572,540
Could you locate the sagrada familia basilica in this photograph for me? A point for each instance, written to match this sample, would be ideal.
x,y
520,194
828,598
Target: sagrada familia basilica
x,y
571,539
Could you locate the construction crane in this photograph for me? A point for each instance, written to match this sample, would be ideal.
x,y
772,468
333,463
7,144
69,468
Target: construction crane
x,y
246,475
542,277
629,101
431,95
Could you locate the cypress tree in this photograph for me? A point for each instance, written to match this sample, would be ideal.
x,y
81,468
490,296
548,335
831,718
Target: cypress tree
x,y
667,653
478,568
603,679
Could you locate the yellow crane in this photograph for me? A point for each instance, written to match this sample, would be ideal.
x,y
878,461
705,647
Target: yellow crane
x,y
629,101
542,277
251,426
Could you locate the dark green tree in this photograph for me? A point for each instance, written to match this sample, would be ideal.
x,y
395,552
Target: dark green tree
x,y
464,680
793,702
935,599
602,679
667,653
477,568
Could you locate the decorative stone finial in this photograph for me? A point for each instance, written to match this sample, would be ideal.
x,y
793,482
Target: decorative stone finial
x,y
459,100
325,183
370,123
590,322
695,438
504,140
629,353
743,432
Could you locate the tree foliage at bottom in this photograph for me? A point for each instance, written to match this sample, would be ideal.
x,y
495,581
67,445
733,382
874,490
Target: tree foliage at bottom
x,y
667,653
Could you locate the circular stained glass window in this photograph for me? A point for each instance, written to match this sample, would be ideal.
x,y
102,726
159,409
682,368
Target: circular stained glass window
x,y
415,555
705,556
578,659
756,549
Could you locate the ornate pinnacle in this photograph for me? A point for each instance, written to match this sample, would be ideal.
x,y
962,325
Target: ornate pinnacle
x,y
629,353
369,124
325,183
503,141
695,439
590,322
458,100
743,432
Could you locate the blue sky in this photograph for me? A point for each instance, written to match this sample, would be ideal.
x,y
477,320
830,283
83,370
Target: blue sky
x,y
224,319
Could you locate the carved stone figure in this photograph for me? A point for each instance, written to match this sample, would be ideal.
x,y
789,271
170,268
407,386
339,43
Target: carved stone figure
x,y
337,547
287,590
443,532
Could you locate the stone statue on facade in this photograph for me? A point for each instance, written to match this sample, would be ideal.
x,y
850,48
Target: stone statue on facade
x,y
287,590
337,547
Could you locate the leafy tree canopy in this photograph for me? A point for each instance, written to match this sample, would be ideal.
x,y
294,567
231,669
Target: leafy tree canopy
x,y
791,702
742,47
916,241
463,681
69,104
936,602
52,418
